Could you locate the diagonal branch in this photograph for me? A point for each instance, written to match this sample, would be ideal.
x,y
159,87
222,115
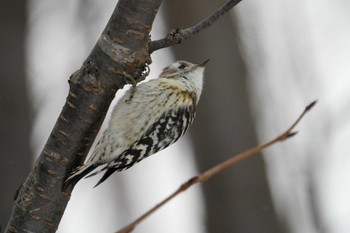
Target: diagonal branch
x,y
218,168
176,36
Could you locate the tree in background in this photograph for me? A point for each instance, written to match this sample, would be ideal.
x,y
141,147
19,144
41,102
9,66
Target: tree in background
x,y
15,120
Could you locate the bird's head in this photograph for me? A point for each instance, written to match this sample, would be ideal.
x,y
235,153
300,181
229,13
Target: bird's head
x,y
184,69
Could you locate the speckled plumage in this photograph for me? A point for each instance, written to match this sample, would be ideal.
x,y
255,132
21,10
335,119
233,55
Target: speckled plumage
x,y
157,116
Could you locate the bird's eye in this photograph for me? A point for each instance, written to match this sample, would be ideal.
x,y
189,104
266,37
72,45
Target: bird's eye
x,y
182,66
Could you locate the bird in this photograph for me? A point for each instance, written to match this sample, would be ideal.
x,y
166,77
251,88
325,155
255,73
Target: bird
x,y
158,114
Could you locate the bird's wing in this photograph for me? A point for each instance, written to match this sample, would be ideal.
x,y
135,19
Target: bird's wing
x,y
167,130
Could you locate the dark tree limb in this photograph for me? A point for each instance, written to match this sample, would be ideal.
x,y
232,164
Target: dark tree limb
x,y
122,47
176,36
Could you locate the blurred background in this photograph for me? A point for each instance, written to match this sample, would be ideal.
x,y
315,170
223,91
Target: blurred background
x,y
268,60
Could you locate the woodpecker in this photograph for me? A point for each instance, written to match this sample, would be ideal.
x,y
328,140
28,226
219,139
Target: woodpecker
x,y
158,114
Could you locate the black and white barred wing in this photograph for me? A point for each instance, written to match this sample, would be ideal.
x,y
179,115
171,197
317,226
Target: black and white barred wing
x,y
170,127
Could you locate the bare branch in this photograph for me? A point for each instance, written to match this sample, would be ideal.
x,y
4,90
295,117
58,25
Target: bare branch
x,y
218,168
176,36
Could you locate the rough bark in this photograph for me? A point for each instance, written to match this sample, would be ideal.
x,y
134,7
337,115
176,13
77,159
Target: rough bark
x,y
122,47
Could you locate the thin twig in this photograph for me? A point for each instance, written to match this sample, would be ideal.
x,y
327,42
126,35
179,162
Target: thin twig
x,y
218,168
178,35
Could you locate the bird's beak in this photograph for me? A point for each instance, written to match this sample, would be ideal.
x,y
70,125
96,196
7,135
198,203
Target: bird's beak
x,y
204,63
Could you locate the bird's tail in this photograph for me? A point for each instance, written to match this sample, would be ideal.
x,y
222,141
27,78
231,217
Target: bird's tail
x,y
107,174
77,174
